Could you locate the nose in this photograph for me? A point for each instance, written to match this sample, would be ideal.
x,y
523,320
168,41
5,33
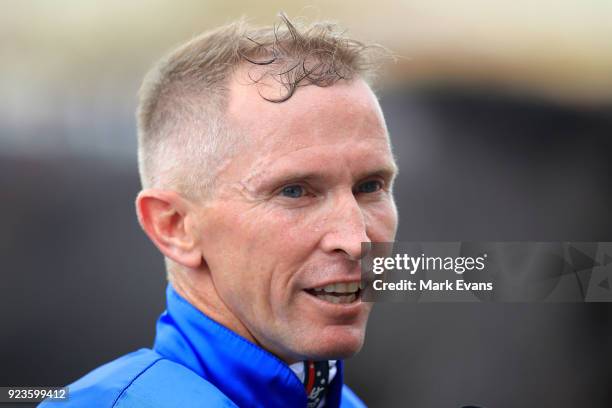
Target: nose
x,y
346,229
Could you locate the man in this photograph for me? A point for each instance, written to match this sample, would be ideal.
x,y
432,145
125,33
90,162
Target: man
x,y
265,165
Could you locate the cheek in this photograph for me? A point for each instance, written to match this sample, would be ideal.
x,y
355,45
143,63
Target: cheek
x,y
290,232
270,247
237,252
381,221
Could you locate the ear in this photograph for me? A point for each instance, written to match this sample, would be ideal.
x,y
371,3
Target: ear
x,y
166,218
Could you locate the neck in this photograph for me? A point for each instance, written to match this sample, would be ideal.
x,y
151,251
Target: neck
x,y
197,287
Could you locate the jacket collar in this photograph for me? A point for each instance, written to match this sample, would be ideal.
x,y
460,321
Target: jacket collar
x,y
243,371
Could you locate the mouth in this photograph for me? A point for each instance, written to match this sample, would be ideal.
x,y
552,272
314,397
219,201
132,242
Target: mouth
x,y
337,293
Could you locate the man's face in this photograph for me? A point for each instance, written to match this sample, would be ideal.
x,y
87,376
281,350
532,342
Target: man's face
x,y
282,234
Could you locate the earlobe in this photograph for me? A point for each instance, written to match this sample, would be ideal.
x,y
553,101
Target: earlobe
x,y
163,215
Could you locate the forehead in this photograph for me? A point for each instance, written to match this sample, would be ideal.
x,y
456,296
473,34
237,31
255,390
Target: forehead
x,y
344,118
248,107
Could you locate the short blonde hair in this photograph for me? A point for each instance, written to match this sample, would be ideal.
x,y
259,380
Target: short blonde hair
x,y
182,132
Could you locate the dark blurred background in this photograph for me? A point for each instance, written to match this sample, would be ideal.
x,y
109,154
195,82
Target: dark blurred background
x,y
501,119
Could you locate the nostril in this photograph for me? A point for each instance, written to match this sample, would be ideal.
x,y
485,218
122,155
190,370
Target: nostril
x,y
350,255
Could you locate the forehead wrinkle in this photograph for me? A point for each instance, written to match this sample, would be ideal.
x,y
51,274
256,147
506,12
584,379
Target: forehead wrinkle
x,y
277,130
264,166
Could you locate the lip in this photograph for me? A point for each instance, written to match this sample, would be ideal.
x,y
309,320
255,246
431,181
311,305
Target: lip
x,y
331,281
344,310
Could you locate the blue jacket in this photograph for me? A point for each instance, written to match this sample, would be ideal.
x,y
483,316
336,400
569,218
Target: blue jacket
x,y
196,362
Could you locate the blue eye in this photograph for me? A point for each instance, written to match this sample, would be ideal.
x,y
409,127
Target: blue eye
x,y
371,186
293,191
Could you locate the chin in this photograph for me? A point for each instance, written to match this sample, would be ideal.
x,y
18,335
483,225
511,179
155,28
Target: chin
x,y
336,343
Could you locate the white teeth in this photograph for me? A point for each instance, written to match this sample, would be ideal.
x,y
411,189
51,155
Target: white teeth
x,y
340,288
337,293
